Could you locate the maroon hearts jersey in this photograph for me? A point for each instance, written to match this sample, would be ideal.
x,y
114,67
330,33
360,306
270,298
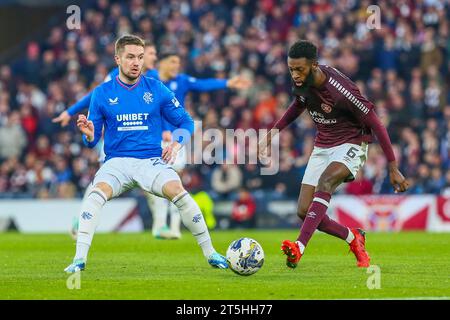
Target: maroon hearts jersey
x,y
337,108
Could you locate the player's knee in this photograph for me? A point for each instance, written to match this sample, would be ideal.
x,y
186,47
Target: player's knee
x,y
172,189
103,188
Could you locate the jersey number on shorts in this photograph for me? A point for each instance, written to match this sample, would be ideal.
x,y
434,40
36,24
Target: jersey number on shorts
x,y
156,161
351,152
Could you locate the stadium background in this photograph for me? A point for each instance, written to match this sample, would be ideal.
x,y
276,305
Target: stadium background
x,y
403,67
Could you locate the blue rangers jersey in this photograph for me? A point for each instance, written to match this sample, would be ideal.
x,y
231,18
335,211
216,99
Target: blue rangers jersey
x,y
132,117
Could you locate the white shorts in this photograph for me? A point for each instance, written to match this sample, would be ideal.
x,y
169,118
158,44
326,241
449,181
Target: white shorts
x,y
123,174
353,156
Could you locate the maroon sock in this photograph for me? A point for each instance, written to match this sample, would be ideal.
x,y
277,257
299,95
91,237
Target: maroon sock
x,y
333,228
316,212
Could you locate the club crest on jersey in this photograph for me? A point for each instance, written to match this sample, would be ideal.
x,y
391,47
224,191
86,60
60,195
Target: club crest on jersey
x,y
326,107
113,101
148,97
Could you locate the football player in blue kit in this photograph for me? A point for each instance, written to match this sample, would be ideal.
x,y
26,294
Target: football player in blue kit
x,y
130,109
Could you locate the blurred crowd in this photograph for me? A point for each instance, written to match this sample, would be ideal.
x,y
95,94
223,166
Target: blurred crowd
x,y
402,66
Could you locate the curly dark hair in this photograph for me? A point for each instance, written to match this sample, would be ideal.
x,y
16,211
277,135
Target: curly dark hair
x,y
303,49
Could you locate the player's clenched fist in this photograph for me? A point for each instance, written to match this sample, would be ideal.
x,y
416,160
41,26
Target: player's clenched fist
x,y
86,127
397,179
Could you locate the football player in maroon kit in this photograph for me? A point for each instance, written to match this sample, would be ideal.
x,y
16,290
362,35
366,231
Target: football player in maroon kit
x,y
345,122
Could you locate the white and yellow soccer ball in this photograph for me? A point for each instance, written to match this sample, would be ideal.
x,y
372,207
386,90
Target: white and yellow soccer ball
x,y
245,256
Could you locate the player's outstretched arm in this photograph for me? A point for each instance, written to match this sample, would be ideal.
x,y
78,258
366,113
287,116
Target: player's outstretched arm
x,y
82,104
202,85
175,114
294,110
397,179
209,84
238,83
364,110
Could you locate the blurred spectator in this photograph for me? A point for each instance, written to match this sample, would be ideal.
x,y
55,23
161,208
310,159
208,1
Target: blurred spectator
x,y
403,67
66,190
431,54
387,57
226,179
51,69
29,67
43,150
446,189
12,137
62,172
347,62
360,186
243,213
252,177
437,181
29,122
286,182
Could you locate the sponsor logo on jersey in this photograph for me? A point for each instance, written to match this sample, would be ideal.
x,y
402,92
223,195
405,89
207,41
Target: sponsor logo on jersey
x,y
173,85
132,117
113,101
148,97
132,121
320,118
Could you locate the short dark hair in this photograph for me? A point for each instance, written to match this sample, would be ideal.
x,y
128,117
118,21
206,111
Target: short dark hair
x,y
303,49
127,40
168,54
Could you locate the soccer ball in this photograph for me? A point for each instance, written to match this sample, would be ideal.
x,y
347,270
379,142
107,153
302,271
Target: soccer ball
x,y
245,256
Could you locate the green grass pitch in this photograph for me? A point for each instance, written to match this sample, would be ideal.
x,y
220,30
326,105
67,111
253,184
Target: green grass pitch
x,y
136,266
